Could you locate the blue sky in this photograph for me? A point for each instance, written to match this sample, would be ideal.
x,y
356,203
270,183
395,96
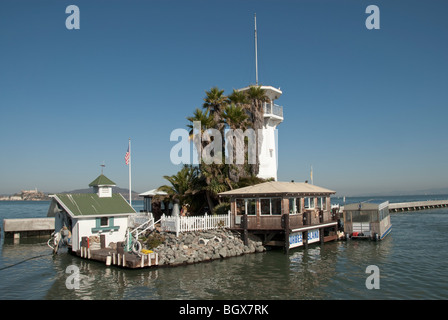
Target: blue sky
x,y
366,108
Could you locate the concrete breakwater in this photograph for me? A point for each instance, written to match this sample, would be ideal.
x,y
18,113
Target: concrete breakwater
x,y
201,246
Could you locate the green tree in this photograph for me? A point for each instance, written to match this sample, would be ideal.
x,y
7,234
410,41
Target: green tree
x,y
236,119
256,97
184,185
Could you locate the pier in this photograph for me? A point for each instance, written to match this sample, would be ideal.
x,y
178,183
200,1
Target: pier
x,y
31,227
417,205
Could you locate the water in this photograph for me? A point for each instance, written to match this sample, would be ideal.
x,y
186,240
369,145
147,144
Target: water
x,y
412,263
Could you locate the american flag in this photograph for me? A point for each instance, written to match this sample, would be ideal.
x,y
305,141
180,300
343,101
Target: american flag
x,y
127,156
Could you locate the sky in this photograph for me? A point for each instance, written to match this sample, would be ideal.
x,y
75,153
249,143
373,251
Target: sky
x,y
366,108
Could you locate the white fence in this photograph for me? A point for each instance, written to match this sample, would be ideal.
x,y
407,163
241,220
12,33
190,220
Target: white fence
x,y
194,223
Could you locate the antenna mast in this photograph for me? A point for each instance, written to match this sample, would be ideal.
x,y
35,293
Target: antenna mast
x,y
256,54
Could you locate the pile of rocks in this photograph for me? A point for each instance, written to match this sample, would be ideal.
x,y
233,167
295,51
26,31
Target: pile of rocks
x,y
199,246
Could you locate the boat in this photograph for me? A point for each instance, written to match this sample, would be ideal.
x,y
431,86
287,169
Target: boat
x,y
367,220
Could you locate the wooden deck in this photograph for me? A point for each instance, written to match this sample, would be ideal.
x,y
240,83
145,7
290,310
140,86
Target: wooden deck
x,y
122,259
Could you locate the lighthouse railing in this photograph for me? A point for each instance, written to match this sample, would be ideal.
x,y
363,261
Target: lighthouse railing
x,y
272,109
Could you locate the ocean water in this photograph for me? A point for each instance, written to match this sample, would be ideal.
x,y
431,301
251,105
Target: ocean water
x,y
411,264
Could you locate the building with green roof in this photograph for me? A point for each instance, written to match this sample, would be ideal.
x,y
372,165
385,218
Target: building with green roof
x,y
100,213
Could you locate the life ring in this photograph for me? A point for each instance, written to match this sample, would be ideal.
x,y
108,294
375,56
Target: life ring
x,y
136,247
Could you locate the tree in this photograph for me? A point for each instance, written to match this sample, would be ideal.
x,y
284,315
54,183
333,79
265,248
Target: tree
x,y
214,102
207,122
236,119
240,110
256,97
184,185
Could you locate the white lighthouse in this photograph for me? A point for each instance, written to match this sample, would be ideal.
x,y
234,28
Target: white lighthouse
x,y
273,116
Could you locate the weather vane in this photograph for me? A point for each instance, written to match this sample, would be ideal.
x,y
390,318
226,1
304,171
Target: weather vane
x,y
102,167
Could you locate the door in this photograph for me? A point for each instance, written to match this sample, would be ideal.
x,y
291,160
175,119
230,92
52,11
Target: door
x,y
362,227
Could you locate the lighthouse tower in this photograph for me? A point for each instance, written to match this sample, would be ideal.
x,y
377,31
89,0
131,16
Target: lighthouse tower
x,y
273,116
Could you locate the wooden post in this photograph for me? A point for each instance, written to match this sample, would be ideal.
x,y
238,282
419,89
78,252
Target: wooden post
x,y
285,221
321,235
244,222
103,241
305,239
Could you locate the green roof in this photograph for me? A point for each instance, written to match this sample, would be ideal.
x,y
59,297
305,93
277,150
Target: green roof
x,y
102,180
89,204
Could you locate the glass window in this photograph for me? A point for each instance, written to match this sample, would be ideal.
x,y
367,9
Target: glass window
x,y
276,205
299,205
240,206
322,203
309,203
265,205
104,222
292,206
251,207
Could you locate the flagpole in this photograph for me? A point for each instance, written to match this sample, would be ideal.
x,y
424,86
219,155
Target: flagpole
x,y
130,180
312,182
256,51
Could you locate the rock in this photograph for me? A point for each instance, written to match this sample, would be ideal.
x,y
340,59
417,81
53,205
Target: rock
x,y
201,246
223,253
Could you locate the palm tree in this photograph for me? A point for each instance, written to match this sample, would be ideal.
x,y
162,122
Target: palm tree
x,y
214,103
214,178
239,98
183,185
236,118
256,97
207,122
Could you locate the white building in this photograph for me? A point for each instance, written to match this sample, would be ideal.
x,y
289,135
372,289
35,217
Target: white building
x,y
273,116
101,214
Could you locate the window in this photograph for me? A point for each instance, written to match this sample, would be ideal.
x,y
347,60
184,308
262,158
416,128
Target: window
x,y
299,205
251,206
104,222
322,203
309,203
292,206
276,206
240,206
265,206
271,206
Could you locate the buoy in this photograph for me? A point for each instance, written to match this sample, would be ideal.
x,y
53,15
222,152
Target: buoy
x,y
136,247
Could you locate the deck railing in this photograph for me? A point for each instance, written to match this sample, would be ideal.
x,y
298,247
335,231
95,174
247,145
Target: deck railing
x,y
179,224
272,109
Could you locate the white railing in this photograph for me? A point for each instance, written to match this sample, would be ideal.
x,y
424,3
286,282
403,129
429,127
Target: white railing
x,y
272,108
141,223
179,224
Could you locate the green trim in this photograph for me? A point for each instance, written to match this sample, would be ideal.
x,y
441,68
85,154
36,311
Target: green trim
x,y
109,227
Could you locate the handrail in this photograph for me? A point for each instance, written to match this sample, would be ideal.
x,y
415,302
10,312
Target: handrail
x,y
151,225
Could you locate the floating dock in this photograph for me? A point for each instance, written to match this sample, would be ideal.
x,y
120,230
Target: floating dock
x,y
30,227
118,256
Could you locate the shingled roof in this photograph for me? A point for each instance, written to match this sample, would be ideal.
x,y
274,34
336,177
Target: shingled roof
x,y
278,188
